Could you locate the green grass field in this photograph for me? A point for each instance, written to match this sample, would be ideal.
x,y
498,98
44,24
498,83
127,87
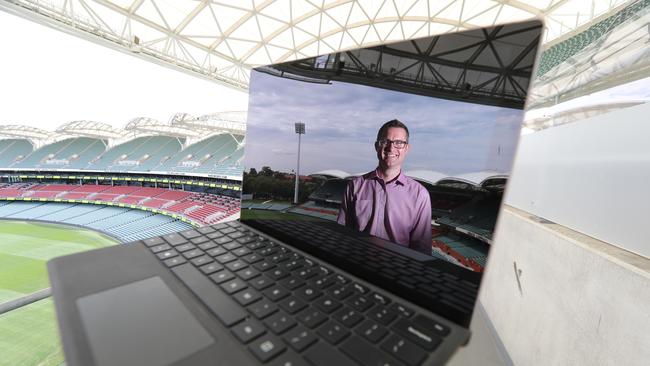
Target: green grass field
x,y
28,335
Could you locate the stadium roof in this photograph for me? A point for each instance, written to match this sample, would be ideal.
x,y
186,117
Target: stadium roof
x,y
222,39
428,176
230,122
35,135
91,129
152,126
332,173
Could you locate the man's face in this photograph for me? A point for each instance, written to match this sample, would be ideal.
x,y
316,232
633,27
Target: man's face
x,y
389,156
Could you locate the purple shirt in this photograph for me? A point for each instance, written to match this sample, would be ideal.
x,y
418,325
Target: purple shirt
x,y
399,211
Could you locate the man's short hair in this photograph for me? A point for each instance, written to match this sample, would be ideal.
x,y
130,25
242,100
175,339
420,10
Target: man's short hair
x,y
392,123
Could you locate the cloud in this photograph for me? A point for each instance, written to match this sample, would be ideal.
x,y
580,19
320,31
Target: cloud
x,y
342,121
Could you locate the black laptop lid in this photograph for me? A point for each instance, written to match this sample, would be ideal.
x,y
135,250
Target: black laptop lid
x,y
461,96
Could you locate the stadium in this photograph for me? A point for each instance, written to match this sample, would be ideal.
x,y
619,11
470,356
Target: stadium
x,y
89,184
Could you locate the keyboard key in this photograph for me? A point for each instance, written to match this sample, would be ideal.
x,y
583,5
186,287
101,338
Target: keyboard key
x,y
262,309
432,325
308,293
264,266
276,293
322,354
333,332
215,235
232,246
189,234
300,338
312,318
380,299
241,252
323,282
327,304
360,303
404,350
199,240
236,265
222,240
211,268
228,311
261,283
279,322
292,265
193,253
153,241
205,229
402,310
292,283
417,333
252,258
307,273
366,354
248,330
341,292
247,297
201,260
185,247
267,347
382,315
348,317
372,331
171,262
160,248
222,277
247,274
292,305
233,286
174,239
277,274
225,258
167,254
215,252
236,235
207,246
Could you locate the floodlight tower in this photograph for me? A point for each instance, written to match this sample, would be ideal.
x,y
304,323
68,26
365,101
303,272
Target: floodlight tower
x,y
300,130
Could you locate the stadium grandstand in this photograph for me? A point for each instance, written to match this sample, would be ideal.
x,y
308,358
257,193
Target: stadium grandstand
x,y
164,176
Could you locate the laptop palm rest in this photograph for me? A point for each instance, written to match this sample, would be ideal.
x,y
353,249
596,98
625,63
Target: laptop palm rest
x,y
124,325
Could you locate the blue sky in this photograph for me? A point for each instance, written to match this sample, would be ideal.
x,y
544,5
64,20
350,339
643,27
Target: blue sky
x,y
342,122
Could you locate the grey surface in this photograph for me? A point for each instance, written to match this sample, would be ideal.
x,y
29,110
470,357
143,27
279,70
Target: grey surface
x,y
140,323
485,347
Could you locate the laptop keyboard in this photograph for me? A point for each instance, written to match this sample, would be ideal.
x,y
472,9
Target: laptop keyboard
x,y
291,310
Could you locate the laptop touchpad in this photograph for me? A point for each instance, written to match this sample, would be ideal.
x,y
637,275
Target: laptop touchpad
x,y
142,323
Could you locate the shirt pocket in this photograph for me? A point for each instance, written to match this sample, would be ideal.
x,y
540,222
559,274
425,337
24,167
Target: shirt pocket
x,y
363,213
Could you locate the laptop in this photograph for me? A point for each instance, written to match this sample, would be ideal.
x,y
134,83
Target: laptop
x,y
356,245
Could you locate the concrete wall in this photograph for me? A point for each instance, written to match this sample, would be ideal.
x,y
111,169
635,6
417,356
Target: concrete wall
x,y
558,297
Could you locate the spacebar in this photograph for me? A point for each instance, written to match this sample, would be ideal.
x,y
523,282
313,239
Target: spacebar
x,y
225,308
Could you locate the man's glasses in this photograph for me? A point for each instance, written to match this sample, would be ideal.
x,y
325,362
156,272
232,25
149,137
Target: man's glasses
x,y
399,144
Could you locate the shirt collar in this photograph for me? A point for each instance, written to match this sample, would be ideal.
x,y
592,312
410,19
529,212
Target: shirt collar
x,y
401,178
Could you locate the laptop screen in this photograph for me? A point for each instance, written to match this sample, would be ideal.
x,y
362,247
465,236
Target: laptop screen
x,y
410,142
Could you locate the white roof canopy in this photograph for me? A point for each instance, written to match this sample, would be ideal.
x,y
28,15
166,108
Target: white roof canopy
x,y
222,39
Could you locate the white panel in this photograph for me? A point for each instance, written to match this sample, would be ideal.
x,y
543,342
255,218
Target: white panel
x,y
592,176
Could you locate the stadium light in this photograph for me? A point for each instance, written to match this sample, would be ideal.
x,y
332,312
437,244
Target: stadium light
x,y
300,130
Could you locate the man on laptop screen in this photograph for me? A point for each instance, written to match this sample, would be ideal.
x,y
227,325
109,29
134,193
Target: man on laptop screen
x,y
385,202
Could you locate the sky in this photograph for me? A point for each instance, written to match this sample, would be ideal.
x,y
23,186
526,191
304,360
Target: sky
x,y
48,78
342,121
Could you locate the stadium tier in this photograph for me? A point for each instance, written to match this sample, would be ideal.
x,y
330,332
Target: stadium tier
x,y
219,154
71,153
12,150
196,207
124,224
139,154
